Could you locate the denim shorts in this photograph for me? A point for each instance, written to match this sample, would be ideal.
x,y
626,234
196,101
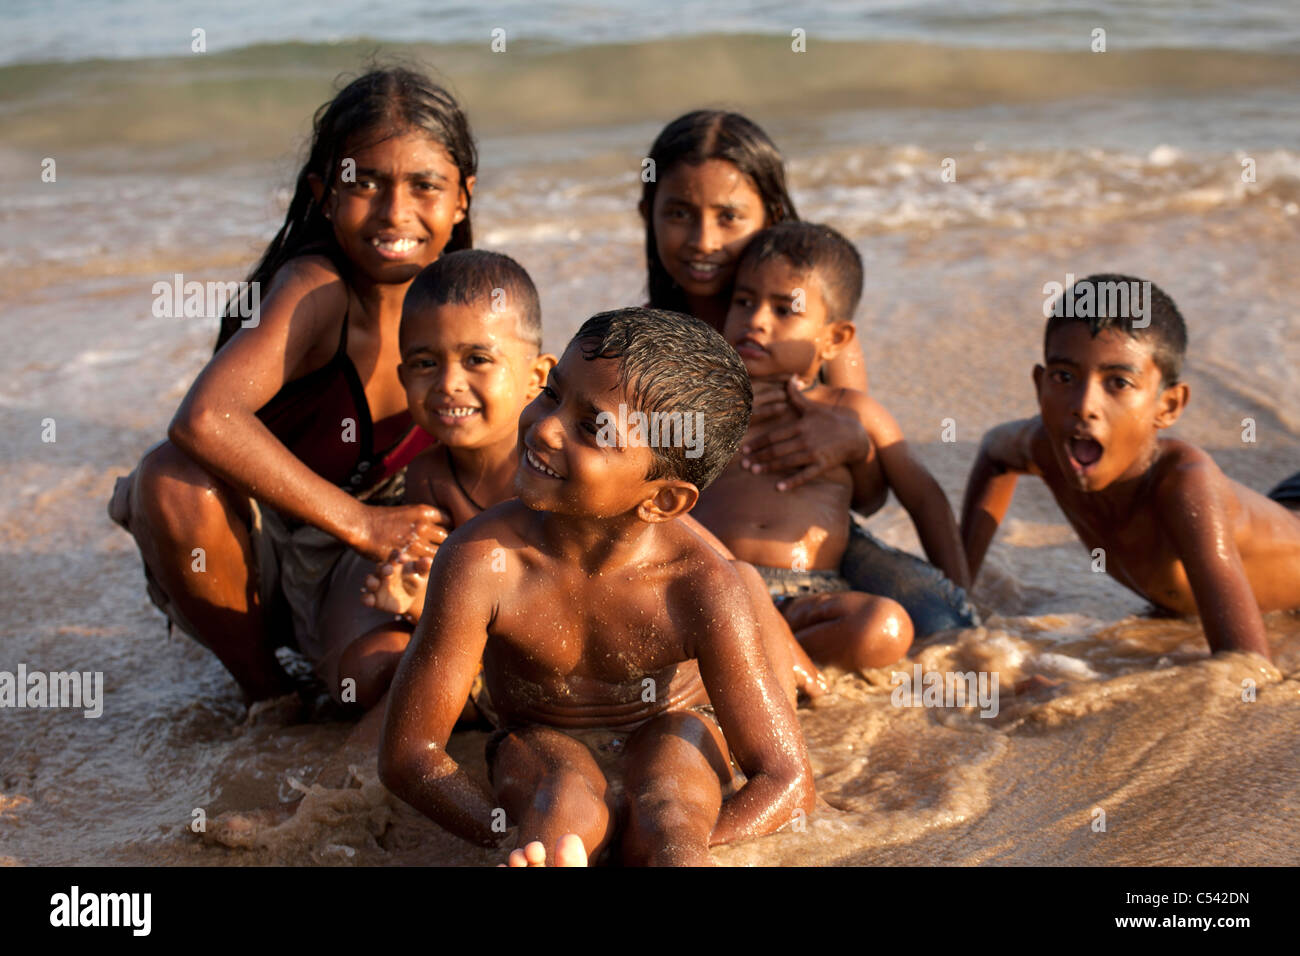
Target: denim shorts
x,y
933,602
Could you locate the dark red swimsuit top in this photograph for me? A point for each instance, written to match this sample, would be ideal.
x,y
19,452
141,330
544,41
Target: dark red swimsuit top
x,y
324,419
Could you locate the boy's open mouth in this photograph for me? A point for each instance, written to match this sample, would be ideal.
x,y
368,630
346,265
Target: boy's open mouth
x,y
1084,452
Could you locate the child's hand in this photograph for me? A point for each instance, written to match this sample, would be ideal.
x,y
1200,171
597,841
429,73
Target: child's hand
x,y
416,530
398,585
821,438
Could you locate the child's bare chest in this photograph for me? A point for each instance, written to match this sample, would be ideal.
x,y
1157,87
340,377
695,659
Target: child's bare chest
x,y
612,628
1138,552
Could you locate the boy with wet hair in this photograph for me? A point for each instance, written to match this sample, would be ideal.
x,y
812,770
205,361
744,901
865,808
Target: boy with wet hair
x,y
1173,527
797,287
619,648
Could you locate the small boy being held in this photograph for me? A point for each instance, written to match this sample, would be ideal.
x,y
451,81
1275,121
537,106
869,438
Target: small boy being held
x,y
797,286
1173,527
620,649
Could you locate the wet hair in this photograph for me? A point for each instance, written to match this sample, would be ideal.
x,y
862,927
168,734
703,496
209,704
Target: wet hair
x,y
1166,334
696,138
671,362
473,277
809,247
372,108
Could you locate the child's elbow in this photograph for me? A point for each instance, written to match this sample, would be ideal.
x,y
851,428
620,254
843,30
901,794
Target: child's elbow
x,y
188,427
800,786
395,771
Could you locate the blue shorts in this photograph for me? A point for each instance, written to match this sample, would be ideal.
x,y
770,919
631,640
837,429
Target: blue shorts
x,y
933,602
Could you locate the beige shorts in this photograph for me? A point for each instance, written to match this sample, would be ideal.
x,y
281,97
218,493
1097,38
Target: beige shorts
x,y
293,563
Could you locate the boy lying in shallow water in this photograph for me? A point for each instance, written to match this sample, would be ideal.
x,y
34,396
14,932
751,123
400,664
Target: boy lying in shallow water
x,y
619,649
1172,526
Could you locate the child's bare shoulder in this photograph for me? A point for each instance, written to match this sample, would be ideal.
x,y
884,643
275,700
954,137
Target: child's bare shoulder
x,y
700,572
311,274
881,426
1184,477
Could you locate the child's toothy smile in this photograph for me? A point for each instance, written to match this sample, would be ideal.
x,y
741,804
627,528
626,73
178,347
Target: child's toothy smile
x,y
395,247
536,464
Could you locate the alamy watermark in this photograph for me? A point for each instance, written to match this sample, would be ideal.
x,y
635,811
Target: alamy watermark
x,y
77,909
948,689
56,689
179,299
655,430
1105,300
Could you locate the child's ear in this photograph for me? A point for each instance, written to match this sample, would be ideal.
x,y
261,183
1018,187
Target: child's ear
x,y
1039,372
542,366
466,191
401,373
643,208
1171,403
317,187
835,337
672,500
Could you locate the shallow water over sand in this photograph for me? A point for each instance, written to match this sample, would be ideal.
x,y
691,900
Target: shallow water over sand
x,y
1142,724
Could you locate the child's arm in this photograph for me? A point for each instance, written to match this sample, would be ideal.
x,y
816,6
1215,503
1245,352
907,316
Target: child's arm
x,y
428,693
1197,512
917,490
756,718
217,423
1005,452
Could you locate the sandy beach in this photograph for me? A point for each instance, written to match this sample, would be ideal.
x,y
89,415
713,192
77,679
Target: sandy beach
x,y
1065,165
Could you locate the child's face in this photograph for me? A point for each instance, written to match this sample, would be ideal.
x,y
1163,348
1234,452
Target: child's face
x,y
398,215
703,216
564,467
467,373
1102,404
773,339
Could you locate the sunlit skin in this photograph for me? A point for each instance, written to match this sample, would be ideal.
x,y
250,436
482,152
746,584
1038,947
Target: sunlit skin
x,y
468,376
808,527
1172,526
703,216
193,490
455,359
644,599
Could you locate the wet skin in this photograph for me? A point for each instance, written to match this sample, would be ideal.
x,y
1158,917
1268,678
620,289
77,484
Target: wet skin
x,y
192,491
775,343
704,214
457,358
602,590
1173,527
808,526
466,375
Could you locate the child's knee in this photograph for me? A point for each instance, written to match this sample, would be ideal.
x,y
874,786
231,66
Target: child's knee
x,y
173,494
370,662
885,632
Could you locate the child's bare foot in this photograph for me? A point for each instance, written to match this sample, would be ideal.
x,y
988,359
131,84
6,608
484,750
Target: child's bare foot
x,y
398,586
569,851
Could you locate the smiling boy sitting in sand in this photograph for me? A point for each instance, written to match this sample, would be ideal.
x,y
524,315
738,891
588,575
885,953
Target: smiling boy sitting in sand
x,y
1172,526
610,634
